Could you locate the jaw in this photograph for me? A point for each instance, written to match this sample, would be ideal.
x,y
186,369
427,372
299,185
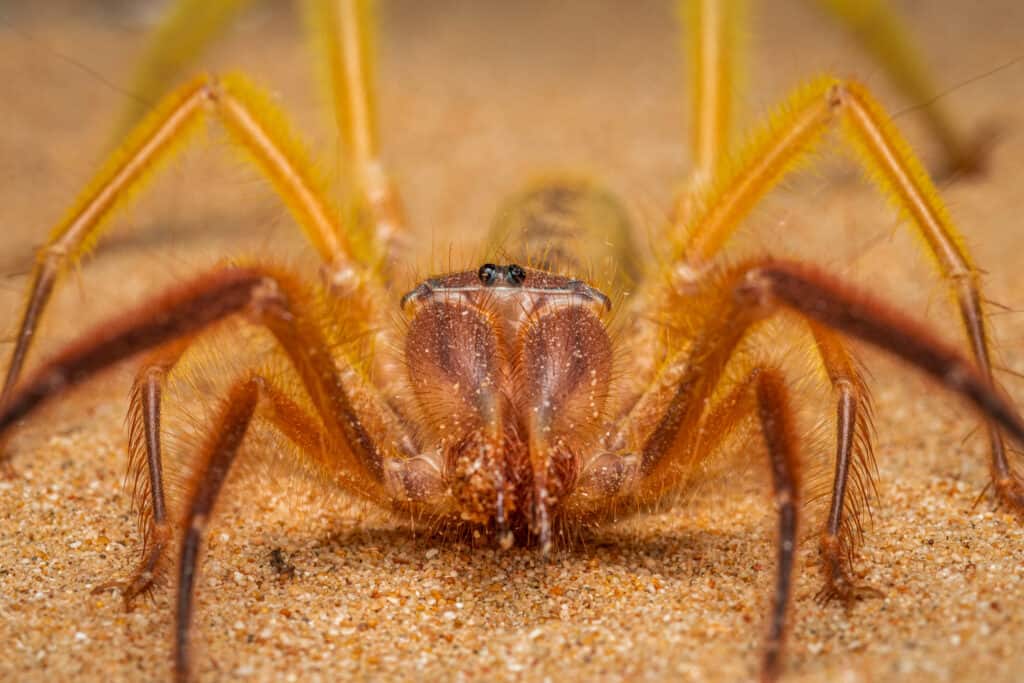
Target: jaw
x,y
511,369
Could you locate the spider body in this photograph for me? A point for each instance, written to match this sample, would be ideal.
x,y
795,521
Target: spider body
x,y
506,404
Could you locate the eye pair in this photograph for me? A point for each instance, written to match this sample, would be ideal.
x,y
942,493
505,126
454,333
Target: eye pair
x,y
491,274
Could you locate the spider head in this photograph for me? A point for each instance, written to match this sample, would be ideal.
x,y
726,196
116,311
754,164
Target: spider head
x,y
510,367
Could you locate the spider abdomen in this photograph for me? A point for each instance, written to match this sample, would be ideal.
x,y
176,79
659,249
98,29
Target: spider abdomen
x,y
567,223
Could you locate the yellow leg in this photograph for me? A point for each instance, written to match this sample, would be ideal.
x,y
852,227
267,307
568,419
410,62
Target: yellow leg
x,y
883,35
188,27
712,33
258,128
343,29
786,141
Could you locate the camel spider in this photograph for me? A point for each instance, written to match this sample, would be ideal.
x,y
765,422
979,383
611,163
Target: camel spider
x,y
510,411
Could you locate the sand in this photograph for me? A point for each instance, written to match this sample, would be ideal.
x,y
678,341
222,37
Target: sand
x,y
473,99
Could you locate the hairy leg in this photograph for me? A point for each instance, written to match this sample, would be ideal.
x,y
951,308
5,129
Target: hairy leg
x,y
744,295
259,129
145,472
714,35
359,416
214,461
883,34
343,32
853,482
719,195
654,449
782,145
779,434
357,443
178,312
647,453
762,393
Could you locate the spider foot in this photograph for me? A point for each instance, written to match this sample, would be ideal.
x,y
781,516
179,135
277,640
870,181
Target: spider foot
x,y
143,580
846,592
1010,492
141,583
839,586
7,471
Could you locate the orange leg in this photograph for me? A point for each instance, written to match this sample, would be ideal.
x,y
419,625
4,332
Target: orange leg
x,y
271,299
762,393
713,35
747,294
214,461
250,397
776,418
853,483
187,28
657,433
179,312
146,471
660,443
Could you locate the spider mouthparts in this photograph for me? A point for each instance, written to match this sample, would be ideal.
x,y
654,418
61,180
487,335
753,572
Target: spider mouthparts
x,y
542,520
504,535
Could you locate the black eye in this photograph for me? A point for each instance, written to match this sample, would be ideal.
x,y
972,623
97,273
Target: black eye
x,y
487,273
516,274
